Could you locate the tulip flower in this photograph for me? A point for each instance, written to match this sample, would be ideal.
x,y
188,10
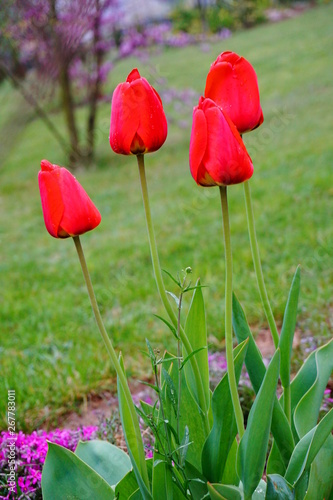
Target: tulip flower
x,y
138,123
232,83
67,209
218,156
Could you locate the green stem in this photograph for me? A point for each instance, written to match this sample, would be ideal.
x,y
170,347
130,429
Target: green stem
x,y
163,295
228,314
114,359
257,265
287,402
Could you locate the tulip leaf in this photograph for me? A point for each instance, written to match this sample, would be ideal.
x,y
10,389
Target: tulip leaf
x,y
230,470
224,430
307,410
109,461
256,369
162,484
128,487
253,446
65,472
224,492
308,447
275,463
195,329
321,473
189,414
133,437
288,328
278,488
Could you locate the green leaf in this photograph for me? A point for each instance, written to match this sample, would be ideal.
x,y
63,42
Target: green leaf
x,y
109,461
168,324
193,353
288,328
151,352
65,472
128,486
224,492
224,430
321,473
278,488
133,437
189,414
184,446
256,369
307,410
195,328
308,447
162,478
253,446
171,391
275,463
175,298
196,482
230,470
173,279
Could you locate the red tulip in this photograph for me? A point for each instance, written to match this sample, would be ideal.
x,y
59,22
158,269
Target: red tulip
x,y
67,209
138,123
232,83
218,156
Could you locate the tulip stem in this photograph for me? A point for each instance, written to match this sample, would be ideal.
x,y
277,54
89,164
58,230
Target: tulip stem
x,y
228,314
257,265
203,404
121,375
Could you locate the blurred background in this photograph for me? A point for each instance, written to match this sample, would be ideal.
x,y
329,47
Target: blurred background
x,y
59,64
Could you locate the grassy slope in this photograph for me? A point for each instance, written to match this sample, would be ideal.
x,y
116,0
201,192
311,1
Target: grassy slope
x,y
50,351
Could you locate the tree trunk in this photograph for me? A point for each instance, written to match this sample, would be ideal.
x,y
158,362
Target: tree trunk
x,y
65,90
96,88
69,111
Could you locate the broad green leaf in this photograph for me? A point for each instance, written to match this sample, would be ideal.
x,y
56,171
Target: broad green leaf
x,y
65,472
253,446
309,383
109,461
230,470
278,488
321,473
288,328
195,329
162,479
197,482
189,415
307,410
275,463
308,447
224,430
133,437
256,369
224,492
128,486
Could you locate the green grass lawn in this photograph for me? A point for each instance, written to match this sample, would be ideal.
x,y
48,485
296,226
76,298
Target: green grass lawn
x,y
50,349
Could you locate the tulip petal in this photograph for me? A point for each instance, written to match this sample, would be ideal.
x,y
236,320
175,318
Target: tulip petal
x,y
232,83
138,123
80,214
52,203
198,144
226,158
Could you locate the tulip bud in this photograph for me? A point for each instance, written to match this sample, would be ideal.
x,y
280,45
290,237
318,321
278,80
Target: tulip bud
x,y
218,156
67,209
232,83
138,123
